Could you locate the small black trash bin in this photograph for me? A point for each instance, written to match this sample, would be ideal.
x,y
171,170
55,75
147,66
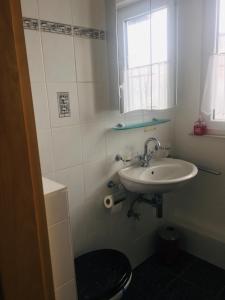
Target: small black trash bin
x,y
168,244
102,275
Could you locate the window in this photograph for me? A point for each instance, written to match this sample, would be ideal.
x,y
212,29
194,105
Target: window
x,y
219,107
221,29
147,54
146,60
147,39
213,102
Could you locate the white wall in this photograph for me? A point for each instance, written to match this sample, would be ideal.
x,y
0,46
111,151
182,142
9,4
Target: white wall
x,y
79,151
56,203
201,205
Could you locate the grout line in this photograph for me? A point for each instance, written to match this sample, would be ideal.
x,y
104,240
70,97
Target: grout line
x,y
66,283
59,222
48,102
76,76
47,93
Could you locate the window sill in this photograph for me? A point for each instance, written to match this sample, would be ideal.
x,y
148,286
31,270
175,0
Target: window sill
x,y
214,136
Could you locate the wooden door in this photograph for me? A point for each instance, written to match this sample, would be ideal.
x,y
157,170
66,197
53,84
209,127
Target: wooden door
x,y
25,267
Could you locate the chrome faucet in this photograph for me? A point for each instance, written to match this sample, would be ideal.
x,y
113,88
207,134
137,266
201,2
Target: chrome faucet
x,y
147,156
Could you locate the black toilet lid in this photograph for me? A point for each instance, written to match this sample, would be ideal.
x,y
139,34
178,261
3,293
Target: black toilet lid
x,y
101,274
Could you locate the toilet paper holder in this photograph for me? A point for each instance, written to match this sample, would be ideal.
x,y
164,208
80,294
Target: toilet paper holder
x,y
118,194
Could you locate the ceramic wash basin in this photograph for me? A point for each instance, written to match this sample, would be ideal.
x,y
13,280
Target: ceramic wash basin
x,y
162,176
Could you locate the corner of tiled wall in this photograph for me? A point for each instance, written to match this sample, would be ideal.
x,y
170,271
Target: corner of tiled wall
x,y
59,231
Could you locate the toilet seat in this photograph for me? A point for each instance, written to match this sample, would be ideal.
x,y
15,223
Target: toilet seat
x,y
102,274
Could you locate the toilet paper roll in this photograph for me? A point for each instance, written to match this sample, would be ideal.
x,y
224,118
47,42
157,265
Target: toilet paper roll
x,y
109,203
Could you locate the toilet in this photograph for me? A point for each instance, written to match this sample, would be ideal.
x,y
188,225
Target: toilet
x,y
102,275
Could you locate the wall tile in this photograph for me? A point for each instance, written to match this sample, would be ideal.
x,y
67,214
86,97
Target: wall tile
x,y
90,60
98,221
45,151
61,255
29,8
93,101
94,142
55,10
113,117
40,102
58,58
89,13
80,231
113,167
90,221
73,178
67,147
134,117
99,239
130,142
34,55
56,207
71,88
66,292
95,180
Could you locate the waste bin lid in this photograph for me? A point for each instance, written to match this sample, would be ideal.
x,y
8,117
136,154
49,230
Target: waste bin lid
x,y
101,274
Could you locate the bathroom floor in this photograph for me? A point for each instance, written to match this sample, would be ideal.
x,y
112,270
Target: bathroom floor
x,y
190,278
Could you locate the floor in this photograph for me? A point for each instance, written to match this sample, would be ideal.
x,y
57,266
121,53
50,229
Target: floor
x,y
190,278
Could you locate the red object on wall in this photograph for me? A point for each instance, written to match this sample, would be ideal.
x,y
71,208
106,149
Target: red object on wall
x,y
200,127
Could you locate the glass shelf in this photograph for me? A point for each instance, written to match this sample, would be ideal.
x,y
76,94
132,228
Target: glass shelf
x,y
140,125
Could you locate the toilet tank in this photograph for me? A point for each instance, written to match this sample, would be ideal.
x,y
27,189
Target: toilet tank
x,y
56,204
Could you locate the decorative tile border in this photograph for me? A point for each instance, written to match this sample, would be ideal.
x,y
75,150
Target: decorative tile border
x,y
89,33
32,24
53,27
66,29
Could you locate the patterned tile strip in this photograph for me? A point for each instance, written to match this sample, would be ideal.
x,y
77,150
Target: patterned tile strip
x,y
32,24
53,27
89,33
59,28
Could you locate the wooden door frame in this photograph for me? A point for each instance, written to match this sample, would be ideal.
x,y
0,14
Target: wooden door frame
x,y
25,264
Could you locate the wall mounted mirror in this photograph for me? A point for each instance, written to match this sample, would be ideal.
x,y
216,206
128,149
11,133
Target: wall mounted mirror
x,y
144,59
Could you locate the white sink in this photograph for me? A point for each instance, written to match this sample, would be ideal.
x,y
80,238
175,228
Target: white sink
x,y
163,175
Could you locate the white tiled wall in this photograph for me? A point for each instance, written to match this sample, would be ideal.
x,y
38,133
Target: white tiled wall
x,y
59,231
88,13
79,151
